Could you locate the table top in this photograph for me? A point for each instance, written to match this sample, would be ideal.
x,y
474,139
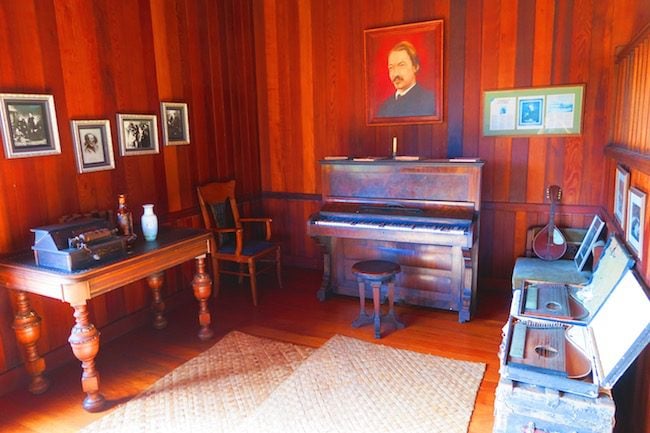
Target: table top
x,y
172,246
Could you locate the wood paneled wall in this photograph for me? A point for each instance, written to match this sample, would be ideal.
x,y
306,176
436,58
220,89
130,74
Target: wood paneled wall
x,y
275,85
103,57
311,102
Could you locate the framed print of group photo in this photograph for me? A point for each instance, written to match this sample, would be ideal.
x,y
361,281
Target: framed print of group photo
x,y
176,126
138,134
404,73
93,145
29,125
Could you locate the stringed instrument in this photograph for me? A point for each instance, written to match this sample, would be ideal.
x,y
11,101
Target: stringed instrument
x,y
549,243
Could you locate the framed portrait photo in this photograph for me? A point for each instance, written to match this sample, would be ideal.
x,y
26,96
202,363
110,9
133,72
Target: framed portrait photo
x,y
93,145
635,220
176,129
137,134
620,195
590,239
404,73
29,125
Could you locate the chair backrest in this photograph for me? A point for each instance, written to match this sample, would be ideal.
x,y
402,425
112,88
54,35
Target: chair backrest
x,y
219,207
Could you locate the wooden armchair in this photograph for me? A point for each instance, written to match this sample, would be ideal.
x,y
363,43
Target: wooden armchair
x,y
232,243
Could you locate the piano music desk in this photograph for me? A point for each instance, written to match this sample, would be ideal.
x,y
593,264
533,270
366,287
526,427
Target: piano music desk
x,y
148,260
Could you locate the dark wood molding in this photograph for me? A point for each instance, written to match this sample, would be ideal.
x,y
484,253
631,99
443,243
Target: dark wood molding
x,y
629,158
290,196
542,207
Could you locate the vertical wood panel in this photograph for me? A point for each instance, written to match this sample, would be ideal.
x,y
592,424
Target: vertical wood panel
x,y
275,85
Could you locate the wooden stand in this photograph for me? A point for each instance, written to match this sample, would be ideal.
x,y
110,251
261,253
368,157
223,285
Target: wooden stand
x,y
376,272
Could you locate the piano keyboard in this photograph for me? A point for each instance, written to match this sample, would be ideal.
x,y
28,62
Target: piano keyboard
x,y
392,224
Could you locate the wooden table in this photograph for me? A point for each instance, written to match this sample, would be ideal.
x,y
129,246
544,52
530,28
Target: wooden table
x,y
149,260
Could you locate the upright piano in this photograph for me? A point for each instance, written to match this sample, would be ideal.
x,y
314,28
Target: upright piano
x,y
422,214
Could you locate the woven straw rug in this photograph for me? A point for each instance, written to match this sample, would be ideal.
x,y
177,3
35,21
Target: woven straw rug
x,y
213,392
250,384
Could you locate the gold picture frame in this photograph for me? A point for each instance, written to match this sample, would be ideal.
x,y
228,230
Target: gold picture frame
x,y
403,68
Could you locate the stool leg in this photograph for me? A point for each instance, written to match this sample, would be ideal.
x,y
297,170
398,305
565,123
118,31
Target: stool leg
x,y
376,285
363,318
391,306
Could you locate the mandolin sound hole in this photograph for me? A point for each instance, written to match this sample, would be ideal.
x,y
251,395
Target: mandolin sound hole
x,y
553,306
546,351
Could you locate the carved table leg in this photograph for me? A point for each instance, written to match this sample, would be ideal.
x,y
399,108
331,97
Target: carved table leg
x,y
84,340
202,285
27,326
155,282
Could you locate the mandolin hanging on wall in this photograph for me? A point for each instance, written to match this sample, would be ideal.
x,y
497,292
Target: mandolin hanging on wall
x,y
549,243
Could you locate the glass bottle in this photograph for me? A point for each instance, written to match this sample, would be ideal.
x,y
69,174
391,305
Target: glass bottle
x,y
124,218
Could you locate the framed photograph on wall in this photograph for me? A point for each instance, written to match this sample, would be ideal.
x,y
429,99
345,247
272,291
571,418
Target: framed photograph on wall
x,y
93,145
138,134
176,129
620,195
29,126
403,73
635,220
591,237
533,111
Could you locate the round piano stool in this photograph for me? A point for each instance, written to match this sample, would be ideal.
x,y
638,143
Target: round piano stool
x,y
375,273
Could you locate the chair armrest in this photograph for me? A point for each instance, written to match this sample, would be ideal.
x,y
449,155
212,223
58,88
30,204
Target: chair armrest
x,y
239,236
265,220
225,230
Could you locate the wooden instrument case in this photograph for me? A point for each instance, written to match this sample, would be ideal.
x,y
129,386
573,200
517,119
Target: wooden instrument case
x,y
612,332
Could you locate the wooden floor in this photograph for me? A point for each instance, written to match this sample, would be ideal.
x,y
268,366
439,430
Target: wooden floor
x,y
131,363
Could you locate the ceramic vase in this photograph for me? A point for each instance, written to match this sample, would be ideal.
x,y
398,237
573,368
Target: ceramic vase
x,y
149,223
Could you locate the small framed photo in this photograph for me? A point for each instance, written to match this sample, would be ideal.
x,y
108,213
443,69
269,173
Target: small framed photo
x,y
138,134
29,126
93,145
176,129
591,237
635,220
530,112
620,195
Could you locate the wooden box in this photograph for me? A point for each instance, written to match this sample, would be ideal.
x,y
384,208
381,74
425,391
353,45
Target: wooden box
x,y
524,408
571,303
553,351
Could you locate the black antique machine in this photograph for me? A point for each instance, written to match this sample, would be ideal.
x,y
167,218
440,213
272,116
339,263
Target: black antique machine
x,y
75,245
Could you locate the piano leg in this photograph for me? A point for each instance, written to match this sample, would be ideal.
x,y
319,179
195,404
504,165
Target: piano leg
x,y
363,318
466,291
325,289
